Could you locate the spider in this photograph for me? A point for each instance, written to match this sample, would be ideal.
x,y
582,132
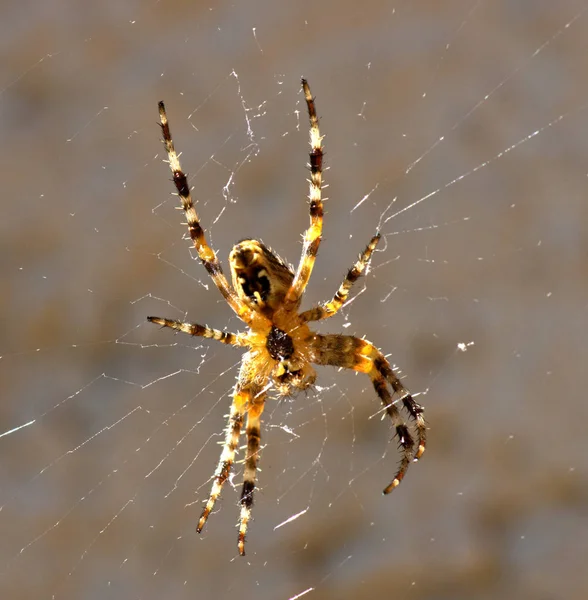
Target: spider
x,y
281,348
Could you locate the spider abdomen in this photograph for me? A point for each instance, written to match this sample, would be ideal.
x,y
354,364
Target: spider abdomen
x,y
260,277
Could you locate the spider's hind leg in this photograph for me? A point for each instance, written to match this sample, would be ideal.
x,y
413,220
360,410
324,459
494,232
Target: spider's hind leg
x,y
312,236
205,252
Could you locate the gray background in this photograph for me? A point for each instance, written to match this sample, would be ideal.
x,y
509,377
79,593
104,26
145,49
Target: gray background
x,y
101,494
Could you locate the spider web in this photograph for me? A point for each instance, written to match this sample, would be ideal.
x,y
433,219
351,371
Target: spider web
x,y
459,133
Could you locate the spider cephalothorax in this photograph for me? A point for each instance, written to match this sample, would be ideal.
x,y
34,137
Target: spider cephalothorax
x,y
289,349
281,348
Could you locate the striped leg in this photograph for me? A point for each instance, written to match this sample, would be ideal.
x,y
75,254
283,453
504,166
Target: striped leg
x,y
250,473
360,355
413,408
312,237
328,309
205,252
238,408
233,339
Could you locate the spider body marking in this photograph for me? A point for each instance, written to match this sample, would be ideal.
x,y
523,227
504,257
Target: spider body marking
x,y
281,348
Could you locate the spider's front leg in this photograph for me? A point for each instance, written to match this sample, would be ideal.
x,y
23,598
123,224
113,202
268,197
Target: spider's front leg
x,y
249,398
360,355
251,458
223,470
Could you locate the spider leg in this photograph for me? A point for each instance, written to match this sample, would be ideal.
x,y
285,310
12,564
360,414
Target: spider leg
x,y
324,311
249,475
205,252
232,339
227,458
360,355
312,237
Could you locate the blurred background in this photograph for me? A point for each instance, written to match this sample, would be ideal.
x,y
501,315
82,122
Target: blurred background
x,y
457,128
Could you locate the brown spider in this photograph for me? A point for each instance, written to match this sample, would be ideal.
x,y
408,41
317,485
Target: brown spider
x,y
281,348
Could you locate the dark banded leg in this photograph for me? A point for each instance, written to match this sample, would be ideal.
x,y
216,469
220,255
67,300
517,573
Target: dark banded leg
x,y
205,252
233,431
413,408
312,237
330,308
250,472
233,339
360,355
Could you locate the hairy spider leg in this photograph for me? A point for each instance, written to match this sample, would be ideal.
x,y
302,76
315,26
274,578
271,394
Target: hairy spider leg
x,y
414,409
205,252
360,355
251,458
328,309
312,237
226,337
241,400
